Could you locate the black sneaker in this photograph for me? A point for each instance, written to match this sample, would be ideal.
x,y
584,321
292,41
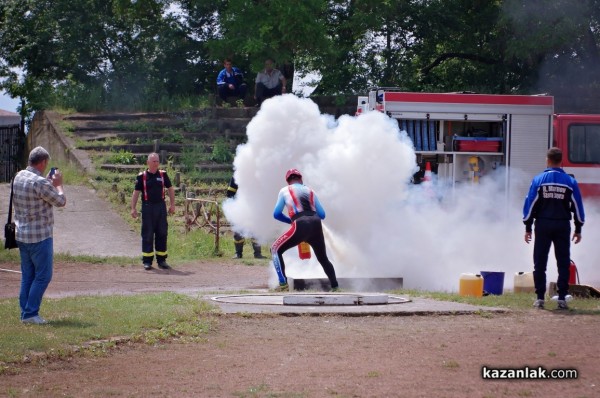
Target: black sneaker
x,y
260,256
147,266
163,265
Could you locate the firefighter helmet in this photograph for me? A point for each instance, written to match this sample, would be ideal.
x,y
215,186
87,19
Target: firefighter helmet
x,y
292,172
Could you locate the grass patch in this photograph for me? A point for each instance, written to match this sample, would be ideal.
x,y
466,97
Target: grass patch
x,y
71,175
514,301
101,143
67,127
121,157
12,256
139,126
451,364
221,151
90,322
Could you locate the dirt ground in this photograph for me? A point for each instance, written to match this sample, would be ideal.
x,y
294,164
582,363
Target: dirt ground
x,y
310,356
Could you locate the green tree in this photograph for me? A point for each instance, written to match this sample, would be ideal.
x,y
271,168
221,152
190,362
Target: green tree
x,y
128,54
457,47
289,31
198,25
382,33
121,53
556,44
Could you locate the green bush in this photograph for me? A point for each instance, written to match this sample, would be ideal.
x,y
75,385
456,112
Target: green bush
x,y
122,157
221,151
173,136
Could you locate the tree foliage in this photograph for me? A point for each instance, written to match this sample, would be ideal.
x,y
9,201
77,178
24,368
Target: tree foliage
x,y
124,54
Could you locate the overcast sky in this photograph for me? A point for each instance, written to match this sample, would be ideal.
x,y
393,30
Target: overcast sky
x,y
7,103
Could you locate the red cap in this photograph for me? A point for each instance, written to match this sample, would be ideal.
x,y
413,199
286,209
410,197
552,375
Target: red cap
x,y
292,172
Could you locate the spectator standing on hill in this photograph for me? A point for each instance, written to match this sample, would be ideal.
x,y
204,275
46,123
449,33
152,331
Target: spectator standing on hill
x,y
552,197
269,83
34,197
151,184
230,82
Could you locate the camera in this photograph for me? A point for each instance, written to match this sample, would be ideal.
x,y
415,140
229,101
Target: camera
x,y
52,172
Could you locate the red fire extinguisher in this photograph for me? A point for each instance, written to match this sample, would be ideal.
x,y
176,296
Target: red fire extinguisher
x,y
304,250
573,274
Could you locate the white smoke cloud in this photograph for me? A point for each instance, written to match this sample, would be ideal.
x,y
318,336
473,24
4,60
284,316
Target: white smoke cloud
x,y
378,224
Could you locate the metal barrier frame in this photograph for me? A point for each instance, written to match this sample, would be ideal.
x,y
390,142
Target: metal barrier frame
x,y
198,213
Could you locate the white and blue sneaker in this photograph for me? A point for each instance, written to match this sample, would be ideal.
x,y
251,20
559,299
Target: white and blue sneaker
x,y
562,305
35,320
539,304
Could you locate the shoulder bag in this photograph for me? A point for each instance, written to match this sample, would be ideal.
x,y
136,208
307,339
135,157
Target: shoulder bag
x,y
10,241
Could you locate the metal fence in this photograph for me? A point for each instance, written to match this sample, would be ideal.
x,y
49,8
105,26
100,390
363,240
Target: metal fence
x,y
12,145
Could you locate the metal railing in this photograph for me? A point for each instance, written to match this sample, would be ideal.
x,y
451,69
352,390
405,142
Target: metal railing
x,y
205,213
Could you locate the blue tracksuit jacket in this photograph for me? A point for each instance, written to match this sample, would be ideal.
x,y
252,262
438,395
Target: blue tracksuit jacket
x,y
553,195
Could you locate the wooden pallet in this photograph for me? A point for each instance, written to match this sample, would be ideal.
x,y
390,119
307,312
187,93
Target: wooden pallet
x,y
584,291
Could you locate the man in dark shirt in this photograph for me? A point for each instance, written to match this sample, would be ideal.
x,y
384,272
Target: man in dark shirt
x,y
152,184
238,239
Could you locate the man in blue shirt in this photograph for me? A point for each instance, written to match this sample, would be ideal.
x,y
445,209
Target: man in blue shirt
x,y
552,197
305,215
230,82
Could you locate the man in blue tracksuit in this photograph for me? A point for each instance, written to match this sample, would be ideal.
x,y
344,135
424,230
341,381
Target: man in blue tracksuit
x,y
230,82
552,197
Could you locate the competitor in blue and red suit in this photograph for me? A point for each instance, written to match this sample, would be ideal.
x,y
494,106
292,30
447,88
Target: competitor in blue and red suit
x,y
305,215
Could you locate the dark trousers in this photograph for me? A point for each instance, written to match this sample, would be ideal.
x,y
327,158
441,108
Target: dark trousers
x,y
239,240
239,91
305,229
154,232
558,233
262,92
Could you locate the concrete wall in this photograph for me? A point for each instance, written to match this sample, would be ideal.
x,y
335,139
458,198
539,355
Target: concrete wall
x,y
45,131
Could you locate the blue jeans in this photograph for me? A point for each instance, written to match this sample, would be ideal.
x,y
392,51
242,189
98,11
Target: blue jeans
x,y
36,266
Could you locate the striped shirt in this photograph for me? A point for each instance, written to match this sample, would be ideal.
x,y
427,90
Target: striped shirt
x,y
33,199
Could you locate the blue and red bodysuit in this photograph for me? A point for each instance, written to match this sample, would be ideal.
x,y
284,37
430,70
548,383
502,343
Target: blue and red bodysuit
x,y
305,215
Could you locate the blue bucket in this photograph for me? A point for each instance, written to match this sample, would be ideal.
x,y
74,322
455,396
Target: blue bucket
x,y
493,282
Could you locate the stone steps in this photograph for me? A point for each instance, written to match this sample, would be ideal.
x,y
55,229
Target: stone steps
x,y
171,132
203,167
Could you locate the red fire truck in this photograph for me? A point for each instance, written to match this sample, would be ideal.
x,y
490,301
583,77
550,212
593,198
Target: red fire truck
x,y
464,136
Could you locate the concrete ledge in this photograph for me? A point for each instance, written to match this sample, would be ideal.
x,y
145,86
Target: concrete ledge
x,y
335,299
353,284
45,131
397,306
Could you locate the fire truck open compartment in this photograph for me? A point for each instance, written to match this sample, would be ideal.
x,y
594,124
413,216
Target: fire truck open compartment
x,y
466,136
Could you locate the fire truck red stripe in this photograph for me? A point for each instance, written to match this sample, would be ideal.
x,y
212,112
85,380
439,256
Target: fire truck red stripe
x,y
452,98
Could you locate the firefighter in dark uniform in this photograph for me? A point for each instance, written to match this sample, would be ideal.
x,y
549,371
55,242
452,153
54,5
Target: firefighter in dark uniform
x,y
238,239
151,184
552,197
